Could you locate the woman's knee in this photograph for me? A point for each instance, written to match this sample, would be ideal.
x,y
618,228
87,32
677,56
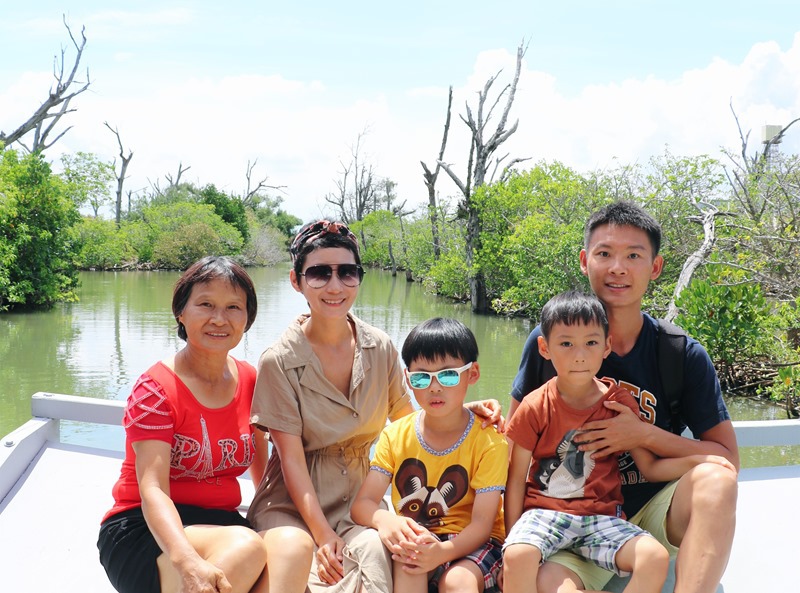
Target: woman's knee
x,y
289,544
250,542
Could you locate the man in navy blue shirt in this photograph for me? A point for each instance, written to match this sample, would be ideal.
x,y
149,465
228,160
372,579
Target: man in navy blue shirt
x,y
693,517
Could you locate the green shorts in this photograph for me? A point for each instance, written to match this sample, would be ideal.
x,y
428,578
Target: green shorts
x,y
651,517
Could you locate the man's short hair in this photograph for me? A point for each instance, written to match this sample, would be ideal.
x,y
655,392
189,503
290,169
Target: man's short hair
x,y
624,213
440,337
573,307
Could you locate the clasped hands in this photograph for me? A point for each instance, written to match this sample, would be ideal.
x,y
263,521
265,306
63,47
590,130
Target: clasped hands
x,y
411,544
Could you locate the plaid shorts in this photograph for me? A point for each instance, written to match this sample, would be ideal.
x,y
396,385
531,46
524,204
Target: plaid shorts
x,y
488,557
595,537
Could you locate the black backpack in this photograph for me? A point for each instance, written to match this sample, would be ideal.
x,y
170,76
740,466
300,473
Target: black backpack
x,y
671,356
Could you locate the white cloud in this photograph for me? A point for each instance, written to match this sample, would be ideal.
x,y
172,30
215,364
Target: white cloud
x,y
299,130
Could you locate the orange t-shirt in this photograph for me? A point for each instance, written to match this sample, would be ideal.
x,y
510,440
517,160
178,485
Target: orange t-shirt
x,y
560,477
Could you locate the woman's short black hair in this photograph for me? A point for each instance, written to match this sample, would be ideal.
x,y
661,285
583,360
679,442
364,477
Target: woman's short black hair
x,y
573,307
321,234
437,338
205,270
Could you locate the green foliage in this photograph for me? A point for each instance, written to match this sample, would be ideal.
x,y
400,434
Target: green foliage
x,y
266,247
175,235
375,233
419,246
542,260
229,208
36,235
88,179
102,245
448,276
268,212
732,320
532,233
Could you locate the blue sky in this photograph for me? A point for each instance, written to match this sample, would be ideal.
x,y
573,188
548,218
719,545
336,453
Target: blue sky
x,y
212,85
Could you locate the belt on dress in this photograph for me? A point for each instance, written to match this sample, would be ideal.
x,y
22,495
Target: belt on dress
x,y
339,450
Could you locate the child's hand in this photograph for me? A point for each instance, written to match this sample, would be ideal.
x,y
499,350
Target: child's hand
x,y
422,556
394,530
718,459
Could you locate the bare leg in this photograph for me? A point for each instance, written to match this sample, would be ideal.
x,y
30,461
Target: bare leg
x,y
463,576
413,583
556,578
289,554
647,561
233,549
520,568
701,521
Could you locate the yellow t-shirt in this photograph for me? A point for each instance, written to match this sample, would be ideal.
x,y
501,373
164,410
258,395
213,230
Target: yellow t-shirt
x,y
437,488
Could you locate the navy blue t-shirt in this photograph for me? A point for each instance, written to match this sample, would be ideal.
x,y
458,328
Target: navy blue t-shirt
x,y
701,409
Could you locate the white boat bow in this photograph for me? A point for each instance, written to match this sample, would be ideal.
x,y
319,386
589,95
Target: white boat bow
x,y
53,495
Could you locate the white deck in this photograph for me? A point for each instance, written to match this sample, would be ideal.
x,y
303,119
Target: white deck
x,y
50,517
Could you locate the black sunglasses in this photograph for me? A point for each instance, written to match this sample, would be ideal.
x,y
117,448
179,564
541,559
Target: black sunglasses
x,y
318,276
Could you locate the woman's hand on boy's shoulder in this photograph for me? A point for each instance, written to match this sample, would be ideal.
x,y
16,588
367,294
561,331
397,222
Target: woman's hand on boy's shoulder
x,y
490,412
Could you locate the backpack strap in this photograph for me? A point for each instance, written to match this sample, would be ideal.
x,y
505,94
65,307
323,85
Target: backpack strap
x,y
671,350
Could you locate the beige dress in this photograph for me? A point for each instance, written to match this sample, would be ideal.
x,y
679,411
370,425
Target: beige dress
x,y
292,395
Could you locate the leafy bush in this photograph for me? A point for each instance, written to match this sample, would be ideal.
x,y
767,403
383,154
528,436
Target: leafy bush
x,y
266,247
102,245
176,234
448,276
731,319
37,240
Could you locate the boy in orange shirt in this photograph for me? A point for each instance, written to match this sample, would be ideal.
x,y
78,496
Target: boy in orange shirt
x,y
558,497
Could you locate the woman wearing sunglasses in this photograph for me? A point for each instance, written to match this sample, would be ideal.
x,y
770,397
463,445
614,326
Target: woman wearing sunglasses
x,y
324,392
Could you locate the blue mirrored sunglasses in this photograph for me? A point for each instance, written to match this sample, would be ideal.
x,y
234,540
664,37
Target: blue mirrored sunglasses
x,y
445,377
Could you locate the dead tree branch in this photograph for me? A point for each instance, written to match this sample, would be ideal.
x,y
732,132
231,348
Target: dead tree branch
x,y
125,160
66,88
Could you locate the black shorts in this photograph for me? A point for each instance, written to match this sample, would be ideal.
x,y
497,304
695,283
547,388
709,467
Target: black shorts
x,y
128,551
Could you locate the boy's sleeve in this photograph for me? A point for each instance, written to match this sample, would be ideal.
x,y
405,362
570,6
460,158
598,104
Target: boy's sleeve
x,y
383,458
492,470
522,427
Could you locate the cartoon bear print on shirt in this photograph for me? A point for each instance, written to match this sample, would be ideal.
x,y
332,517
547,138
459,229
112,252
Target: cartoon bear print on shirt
x,y
564,476
425,504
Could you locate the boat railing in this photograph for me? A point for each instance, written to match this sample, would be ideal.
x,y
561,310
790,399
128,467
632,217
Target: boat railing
x,y
21,446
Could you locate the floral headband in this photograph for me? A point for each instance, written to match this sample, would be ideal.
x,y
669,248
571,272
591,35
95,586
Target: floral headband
x,y
314,230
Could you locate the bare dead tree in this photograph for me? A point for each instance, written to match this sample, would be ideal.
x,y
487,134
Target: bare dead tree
x,y
253,190
431,177
749,170
175,182
356,188
708,217
66,87
125,161
480,154
766,189
340,198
